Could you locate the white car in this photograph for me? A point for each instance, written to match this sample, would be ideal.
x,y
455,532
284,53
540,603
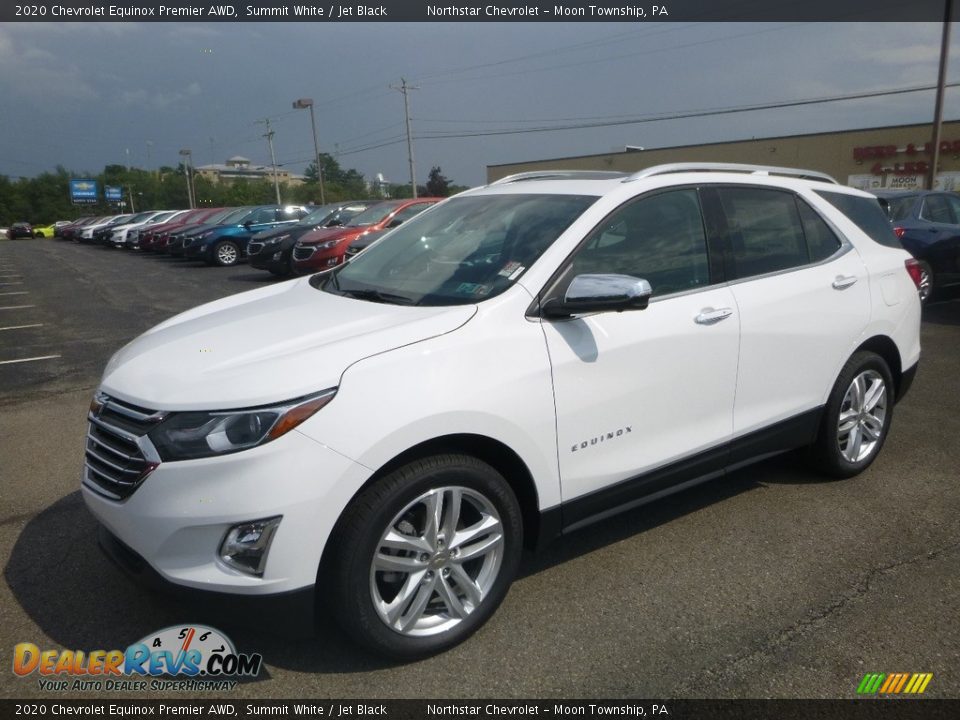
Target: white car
x,y
517,362
118,238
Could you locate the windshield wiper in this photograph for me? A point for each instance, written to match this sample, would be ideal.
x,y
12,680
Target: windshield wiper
x,y
378,296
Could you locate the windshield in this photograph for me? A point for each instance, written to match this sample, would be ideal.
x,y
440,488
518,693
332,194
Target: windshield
x,y
233,218
466,250
373,215
217,217
318,215
118,220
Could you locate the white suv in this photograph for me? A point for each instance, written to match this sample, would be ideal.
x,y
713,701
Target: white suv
x,y
517,362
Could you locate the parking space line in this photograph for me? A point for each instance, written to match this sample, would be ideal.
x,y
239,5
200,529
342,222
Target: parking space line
x,y
16,307
42,357
15,282
16,292
21,327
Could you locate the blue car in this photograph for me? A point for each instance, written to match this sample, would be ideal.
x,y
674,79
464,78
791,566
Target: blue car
x,y
928,225
225,244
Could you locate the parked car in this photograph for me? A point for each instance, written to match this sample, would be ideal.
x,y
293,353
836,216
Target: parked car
x,y
48,231
180,239
66,231
226,243
370,237
156,239
20,230
928,225
87,233
520,361
272,250
101,231
118,234
325,248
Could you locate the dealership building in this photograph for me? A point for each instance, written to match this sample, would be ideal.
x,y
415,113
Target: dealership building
x,y
871,158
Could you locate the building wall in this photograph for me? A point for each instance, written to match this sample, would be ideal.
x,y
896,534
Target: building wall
x,y
870,158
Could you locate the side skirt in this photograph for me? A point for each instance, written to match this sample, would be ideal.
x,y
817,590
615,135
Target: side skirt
x,y
708,465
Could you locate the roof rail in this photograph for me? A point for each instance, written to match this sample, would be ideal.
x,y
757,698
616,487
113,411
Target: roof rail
x,y
731,167
560,175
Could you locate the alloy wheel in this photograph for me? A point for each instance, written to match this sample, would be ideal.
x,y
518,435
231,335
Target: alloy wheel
x,y
227,254
437,561
863,413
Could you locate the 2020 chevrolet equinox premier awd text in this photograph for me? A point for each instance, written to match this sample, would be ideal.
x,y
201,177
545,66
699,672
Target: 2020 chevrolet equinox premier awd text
x,y
516,362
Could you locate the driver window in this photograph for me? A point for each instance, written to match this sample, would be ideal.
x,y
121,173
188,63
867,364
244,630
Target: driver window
x,y
659,238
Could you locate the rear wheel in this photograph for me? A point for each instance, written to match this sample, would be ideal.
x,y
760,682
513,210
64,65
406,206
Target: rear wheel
x,y
856,418
423,557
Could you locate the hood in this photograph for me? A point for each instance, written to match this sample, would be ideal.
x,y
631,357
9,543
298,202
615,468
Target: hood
x,y
330,233
294,230
265,346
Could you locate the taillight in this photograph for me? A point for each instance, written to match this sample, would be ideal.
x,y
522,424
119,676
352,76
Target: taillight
x,y
899,231
913,270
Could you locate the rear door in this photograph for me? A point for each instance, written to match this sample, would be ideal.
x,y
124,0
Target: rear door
x,y
803,297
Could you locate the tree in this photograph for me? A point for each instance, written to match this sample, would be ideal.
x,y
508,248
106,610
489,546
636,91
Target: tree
x,y
437,184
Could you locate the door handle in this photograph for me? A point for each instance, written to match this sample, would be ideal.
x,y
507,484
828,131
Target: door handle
x,y
842,282
709,316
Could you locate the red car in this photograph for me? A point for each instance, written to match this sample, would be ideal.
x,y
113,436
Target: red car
x,y
152,237
325,248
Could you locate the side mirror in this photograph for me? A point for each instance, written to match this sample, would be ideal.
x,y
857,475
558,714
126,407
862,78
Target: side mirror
x,y
599,293
334,223
394,223
247,224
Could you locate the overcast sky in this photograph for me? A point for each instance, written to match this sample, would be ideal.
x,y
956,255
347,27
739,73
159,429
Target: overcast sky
x,y
84,95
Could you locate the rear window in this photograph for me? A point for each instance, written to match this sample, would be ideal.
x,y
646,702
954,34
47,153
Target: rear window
x,y
866,214
899,207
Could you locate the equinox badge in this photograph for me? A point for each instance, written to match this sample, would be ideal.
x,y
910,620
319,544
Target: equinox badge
x,y
601,438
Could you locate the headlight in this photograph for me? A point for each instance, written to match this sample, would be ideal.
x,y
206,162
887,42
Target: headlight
x,y
191,435
205,234
275,240
329,244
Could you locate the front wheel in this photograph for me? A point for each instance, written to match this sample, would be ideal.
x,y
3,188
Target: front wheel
x,y
856,418
423,557
226,253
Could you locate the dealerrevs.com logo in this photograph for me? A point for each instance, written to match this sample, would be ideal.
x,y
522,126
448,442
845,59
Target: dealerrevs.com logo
x,y
181,657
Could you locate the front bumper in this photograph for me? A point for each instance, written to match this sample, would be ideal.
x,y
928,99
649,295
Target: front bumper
x,y
176,520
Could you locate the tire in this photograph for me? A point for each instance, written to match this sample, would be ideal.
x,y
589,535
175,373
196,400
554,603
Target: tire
x,y
926,282
414,595
38,234
225,253
857,417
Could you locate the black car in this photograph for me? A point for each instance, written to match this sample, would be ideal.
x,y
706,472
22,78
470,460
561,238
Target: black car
x,y
226,243
928,225
20,230
272,250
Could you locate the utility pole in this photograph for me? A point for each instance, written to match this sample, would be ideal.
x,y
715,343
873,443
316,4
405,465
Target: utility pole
x,y
188,171
273,158
308,103
130,195
405,89
149,148
941,81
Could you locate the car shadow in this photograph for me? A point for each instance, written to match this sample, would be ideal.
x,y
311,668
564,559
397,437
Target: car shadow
x,y
80,599
943,309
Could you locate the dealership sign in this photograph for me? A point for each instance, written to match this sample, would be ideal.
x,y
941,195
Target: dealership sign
x,y
883,153
113,194
83,191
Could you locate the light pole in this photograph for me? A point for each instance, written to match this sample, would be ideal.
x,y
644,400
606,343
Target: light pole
x,y
308,103
189,171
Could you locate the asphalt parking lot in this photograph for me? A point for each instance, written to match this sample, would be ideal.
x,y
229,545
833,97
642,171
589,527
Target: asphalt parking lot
x,y
769,583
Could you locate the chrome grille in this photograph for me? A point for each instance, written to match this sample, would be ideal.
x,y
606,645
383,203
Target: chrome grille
x,y
118,456
302,252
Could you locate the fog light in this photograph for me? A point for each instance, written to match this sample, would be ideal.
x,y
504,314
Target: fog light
x,y
277,256
245,546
